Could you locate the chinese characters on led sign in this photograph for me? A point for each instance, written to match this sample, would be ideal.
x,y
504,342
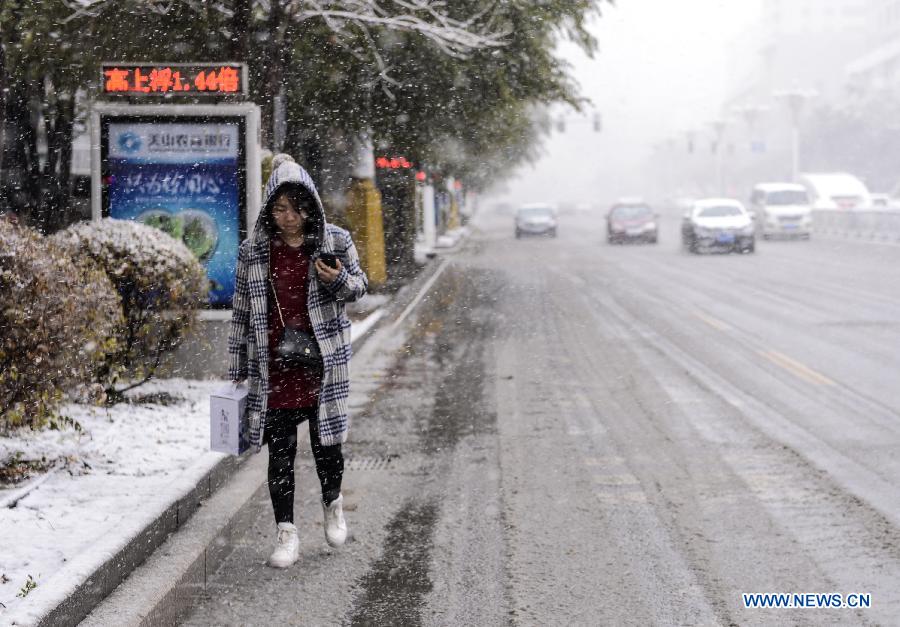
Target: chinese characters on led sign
x,y
161,79
394,163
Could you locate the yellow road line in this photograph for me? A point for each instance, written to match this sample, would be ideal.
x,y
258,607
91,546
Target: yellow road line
x,y
795,367
616,479
713,322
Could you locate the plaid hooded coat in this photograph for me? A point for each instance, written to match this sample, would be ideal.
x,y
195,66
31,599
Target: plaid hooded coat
x,y
248,345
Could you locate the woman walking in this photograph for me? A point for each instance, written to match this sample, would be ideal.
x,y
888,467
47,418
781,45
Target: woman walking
x,y
291,337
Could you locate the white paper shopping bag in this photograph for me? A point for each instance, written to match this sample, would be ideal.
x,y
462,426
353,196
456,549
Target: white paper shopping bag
x,y
229,431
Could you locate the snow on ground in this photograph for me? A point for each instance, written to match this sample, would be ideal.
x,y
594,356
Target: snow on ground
x,y
129,464
131,461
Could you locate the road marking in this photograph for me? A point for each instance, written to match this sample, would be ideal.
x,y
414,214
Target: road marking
x,y
577,280
606,460
621,498
614,488
616,480
419,296
576,430
714,323
795,367
574,278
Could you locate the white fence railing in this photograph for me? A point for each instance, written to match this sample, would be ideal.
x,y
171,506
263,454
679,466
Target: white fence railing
x,y
868,224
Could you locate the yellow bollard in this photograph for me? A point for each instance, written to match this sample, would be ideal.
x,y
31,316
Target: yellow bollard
x,y
367,228
453,221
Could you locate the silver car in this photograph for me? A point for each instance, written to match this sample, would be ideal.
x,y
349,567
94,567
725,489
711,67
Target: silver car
x,y
782,210
536,219
718,224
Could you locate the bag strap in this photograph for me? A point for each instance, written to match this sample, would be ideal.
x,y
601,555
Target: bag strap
x,y
275,291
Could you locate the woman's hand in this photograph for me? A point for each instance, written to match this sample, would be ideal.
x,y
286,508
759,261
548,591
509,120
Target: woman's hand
x,y
327,274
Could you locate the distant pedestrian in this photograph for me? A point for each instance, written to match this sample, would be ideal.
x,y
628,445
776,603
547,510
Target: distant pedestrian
x,y
294,274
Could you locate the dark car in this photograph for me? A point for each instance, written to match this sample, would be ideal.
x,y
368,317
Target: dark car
x,y
627,221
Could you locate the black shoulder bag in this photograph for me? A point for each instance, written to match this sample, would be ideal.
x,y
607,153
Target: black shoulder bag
x,y
297,347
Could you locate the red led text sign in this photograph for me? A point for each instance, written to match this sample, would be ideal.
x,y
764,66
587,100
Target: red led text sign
x,y
182,79
393,163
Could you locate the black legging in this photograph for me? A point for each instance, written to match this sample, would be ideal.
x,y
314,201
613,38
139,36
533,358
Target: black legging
x,y
281,435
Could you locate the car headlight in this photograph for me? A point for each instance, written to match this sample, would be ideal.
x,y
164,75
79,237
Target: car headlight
x,y
747,230
650,226
702,231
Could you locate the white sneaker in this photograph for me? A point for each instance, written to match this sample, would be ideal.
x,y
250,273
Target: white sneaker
x,y
335,525
287,549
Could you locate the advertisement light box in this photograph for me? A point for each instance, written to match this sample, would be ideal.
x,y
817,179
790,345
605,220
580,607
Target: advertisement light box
x,y
185,177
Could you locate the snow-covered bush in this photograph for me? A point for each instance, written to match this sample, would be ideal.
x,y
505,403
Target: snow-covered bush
x,y
161,285
57,318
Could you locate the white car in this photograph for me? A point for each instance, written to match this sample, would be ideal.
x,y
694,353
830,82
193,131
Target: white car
x,y
836,191
718,224
536,219
781,210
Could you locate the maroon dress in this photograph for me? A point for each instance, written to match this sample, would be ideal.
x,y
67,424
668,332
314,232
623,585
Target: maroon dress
x,y
290,388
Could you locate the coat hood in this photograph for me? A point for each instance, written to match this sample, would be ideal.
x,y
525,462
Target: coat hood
x,y
287,172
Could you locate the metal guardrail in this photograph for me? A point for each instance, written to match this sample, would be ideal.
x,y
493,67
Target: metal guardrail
x,y
864,224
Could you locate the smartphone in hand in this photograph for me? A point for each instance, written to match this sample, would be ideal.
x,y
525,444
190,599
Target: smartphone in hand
x,y
329,259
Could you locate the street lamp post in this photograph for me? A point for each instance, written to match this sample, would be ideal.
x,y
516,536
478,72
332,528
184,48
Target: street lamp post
x,y
751,114
796,100
719,130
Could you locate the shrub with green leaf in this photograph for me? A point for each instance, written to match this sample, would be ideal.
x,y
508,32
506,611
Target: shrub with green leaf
x,y
161,285
58,316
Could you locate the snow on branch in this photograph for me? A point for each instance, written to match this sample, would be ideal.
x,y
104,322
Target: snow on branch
x,y
430,18
426,17
454,37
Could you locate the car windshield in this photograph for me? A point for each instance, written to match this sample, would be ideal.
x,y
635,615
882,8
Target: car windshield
x,y
536,212
787,197
631,212
719,211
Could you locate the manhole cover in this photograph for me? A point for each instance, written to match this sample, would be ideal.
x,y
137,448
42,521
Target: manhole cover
x,y
386,462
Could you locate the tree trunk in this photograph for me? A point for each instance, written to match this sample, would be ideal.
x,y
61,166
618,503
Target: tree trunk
x,y
57,201
19,156
4,87
398,209
273,73
240,31
311,153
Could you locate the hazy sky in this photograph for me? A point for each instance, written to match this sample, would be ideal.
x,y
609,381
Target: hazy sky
x,y
660,70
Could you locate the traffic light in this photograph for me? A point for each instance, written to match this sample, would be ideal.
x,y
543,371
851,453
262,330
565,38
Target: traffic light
x,y
598,123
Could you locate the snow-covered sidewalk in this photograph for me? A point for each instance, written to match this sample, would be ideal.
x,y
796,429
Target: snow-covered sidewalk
x,y
452,237
107,483
129,464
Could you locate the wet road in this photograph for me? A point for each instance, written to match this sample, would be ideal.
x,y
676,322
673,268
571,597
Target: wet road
x,y
566,432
